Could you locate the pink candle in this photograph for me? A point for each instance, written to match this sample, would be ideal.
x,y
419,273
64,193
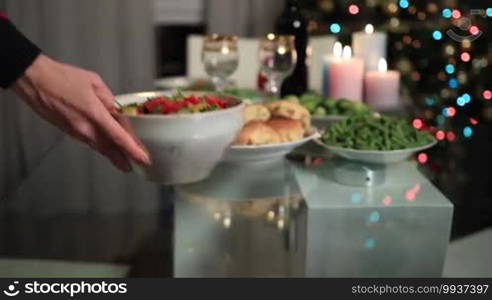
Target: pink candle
x,y
346,76
382,87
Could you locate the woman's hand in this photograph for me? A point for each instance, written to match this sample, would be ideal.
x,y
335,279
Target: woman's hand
x,y
79,102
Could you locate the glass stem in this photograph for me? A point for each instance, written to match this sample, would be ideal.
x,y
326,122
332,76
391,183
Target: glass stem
x,y
219,83
274,85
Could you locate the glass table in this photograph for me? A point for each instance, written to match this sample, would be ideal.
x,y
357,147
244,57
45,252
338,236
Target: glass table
x,y
77,216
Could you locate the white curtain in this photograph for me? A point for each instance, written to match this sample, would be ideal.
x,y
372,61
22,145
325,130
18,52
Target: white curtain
x,y
115,38
247,18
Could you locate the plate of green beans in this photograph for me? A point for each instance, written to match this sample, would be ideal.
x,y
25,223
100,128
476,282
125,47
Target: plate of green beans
x,y
375,139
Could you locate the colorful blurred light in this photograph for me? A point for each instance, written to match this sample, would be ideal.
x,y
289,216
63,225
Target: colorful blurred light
x,y
456,14
356,198
369,243
461,101
440,119
410,195
488,12
440,135
404,3
473,121
453,83
374,217
387,200
451,136
422,158
465,56
451,111
335,28
466,97
474,30
450,69
437,35
430,101
487,94
447,13
467,131
353,9
417,123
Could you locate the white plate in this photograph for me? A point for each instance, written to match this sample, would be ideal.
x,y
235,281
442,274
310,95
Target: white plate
x,y
374,156
263,153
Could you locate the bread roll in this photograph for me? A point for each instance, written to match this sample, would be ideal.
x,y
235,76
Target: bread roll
x,y
290,110
256,112
257,133
288,129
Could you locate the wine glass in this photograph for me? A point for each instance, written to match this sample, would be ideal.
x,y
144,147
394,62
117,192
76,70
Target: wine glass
x,y
220,58
278,58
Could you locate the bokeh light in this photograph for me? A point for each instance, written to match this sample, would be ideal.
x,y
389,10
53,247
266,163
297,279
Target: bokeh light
x,y
335,28
453,83
487,94
474,30
374,217
404,3
467,131
451,136
465,56
353,9
456,14
387,200
473,121
356,198
461,101
451,111
369,243
437,35
447,13
488,12
440,135
466,97
422,158
417,123
450,69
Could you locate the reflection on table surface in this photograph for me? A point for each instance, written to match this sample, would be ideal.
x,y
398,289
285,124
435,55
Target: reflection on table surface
x,y
267,219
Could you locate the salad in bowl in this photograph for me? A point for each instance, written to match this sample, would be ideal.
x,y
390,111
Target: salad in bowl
x,y
185,133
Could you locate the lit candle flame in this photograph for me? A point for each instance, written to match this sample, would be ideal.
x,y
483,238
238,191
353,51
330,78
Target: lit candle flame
x,y
382,65
337,49
347,52
369,29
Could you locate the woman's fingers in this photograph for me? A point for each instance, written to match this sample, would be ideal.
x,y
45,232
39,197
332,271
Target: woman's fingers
x,y
121,138
87,133
107,148
103,92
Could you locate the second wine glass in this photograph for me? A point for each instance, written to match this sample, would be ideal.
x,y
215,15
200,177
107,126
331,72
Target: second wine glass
x,y
278,58
220,58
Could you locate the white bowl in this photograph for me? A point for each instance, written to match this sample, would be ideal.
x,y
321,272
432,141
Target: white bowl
x,y
265,153
183,148
375,156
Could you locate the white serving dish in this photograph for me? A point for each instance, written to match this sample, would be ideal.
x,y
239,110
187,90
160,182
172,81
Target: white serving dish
x,y
183,148
265,153
374,156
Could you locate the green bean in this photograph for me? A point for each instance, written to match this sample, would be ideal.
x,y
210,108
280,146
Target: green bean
x,y
375,133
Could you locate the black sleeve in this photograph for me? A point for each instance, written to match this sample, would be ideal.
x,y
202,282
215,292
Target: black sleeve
x,y
17,53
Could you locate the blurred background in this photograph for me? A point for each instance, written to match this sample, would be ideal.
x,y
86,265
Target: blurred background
x,y
130,43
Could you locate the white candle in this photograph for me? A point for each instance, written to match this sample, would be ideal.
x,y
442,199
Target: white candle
x,y
346,76
327,60
370,46
382,87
